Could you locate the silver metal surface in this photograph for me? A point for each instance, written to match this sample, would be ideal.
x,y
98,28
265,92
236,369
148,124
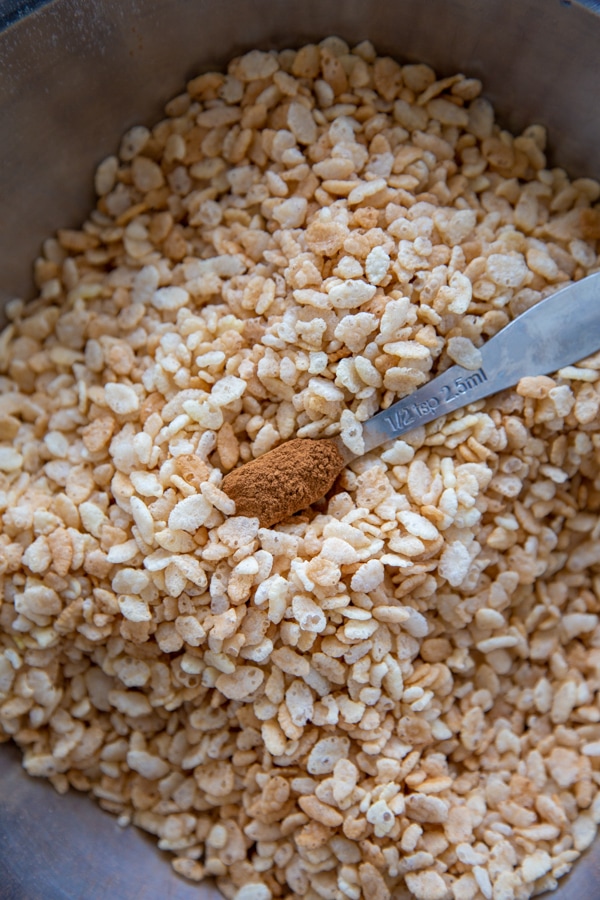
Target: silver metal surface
x,y
56,847
73,77
560,330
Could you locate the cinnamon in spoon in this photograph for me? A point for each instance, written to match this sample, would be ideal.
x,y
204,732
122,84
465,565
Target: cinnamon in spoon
x,y
286,479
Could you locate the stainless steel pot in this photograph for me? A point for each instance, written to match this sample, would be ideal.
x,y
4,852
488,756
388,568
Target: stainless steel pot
x,y
73,77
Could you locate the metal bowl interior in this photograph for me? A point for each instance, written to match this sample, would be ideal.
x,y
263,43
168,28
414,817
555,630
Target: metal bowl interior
x,y
73,78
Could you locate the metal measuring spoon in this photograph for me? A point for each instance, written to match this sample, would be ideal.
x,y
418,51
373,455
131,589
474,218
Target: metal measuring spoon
x,y
558,331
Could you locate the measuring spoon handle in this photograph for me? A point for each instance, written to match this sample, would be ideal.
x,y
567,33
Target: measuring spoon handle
x,y
558,331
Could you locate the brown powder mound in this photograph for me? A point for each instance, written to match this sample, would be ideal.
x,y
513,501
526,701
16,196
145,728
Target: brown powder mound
x,y
284,480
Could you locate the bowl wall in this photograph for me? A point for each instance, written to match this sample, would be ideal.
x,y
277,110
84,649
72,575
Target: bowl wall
x,y
75,76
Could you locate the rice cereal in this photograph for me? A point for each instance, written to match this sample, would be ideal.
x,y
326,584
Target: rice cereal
x,y
394,693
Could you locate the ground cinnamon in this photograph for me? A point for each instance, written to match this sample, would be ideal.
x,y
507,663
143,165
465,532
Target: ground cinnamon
x,y
284,480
